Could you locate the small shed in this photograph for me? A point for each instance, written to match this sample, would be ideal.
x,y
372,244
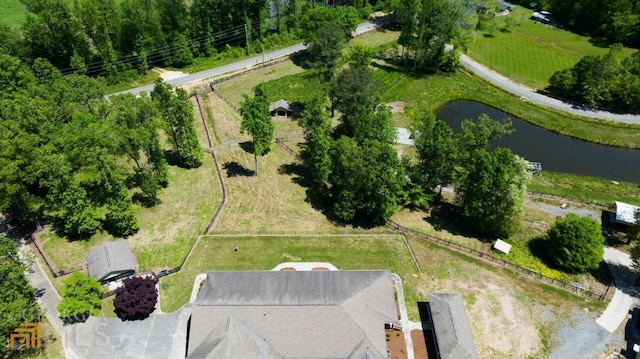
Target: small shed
x,y
502,246
626,213
111,261
282,108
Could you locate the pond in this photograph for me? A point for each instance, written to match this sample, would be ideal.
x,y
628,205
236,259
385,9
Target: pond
x,y
556,152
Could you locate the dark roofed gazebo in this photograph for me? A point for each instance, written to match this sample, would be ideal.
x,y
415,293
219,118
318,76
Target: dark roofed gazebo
x,y
454,339
110,261
282,108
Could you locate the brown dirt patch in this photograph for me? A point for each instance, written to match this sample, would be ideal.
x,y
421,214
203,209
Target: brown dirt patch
x,y
396,344
420,350
320,268
288,269
396,106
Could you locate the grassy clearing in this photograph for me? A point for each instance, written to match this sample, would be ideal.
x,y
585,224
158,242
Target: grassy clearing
x,y
264,253
531,52
147,79
585,189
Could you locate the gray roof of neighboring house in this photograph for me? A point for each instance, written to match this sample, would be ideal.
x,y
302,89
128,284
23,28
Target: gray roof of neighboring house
x,y
161,336
109,259
280,104
292,314
453,333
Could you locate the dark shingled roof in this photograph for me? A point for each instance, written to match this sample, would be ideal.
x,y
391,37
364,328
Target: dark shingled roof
x,y
453,333
111,259
292,314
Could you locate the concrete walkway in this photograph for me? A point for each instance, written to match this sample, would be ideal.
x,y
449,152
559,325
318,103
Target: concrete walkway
x,y
404,319
623,298
50,299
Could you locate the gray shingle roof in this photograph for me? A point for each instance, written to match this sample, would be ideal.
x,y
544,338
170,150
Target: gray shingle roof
x,y
296,313
279,104
110,259
453,333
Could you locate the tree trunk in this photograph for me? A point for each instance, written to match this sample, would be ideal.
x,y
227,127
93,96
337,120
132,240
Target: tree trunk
x,y
255,159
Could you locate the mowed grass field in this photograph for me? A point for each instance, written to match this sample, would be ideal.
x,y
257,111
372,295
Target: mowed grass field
x,y
531,52
367,251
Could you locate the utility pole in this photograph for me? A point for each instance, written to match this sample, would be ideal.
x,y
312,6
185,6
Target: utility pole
x,y
246,35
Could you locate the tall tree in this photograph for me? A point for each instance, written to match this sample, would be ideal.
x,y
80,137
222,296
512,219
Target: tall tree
x,y
256,121
177,113
491,194
437,151
317,126
365,180
80,298
16,293
355,93
52,32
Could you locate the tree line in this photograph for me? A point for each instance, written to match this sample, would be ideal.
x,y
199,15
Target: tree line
x,y
71,157
116,39
611,80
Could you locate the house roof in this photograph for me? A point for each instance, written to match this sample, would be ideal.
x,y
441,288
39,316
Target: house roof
x,y
292,314
280,104
453,333
625,213
110,258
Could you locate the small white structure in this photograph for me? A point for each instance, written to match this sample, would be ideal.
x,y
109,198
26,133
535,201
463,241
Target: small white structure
x,y
625,213
502,246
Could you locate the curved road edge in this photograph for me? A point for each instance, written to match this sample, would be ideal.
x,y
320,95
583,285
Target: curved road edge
x,y
540,99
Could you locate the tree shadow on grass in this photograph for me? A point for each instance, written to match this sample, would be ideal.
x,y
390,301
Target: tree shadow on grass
x,y
246,146
234,169
446,217
145,200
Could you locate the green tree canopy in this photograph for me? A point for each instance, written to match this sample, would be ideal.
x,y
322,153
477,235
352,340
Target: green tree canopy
x,y
16,293
80,297
576,244
437,150
257,121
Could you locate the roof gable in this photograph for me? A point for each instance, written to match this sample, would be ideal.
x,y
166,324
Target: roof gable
x,y
453,333
110,258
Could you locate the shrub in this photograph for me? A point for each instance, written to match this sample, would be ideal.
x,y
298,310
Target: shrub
x,y
575,243
137,298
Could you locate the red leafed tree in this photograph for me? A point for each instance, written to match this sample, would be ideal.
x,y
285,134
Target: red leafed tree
x,y
137,298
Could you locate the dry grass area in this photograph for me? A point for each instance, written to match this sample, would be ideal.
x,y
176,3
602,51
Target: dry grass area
x,y
235,89
504,309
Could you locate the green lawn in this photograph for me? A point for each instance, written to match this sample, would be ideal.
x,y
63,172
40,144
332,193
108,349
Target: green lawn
x,y
585,189
531,52
264,253
14,12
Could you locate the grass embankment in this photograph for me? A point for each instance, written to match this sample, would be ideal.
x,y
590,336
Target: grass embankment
x,y
530,52
585,189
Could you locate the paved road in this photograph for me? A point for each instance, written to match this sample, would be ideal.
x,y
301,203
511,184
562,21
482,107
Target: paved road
x,y
618,309
239,65
50,299
524,92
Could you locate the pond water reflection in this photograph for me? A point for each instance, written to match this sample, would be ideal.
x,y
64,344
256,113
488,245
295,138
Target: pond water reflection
x,y
556,152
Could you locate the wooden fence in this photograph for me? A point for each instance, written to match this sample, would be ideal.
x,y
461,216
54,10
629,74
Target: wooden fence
x,y
501,262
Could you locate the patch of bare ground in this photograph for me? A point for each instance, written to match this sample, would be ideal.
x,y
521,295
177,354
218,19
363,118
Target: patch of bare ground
x,y
396,344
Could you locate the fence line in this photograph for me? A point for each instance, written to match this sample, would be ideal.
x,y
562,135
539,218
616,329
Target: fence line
x,y
288,149
488,257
